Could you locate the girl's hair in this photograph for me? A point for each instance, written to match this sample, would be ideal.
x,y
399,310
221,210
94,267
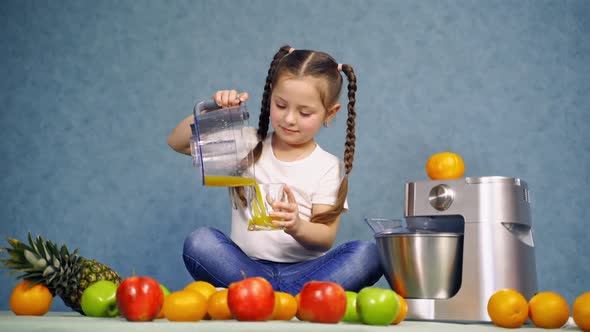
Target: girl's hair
x,y
301,63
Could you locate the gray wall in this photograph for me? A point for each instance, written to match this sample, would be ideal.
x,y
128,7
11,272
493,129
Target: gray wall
x,y
90,90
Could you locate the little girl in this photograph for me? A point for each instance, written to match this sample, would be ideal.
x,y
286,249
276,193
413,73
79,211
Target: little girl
x,y
300,95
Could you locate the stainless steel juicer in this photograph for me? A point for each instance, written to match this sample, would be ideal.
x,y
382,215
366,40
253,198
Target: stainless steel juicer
x,y
465,239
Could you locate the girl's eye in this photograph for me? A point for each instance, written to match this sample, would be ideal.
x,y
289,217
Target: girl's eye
x,y
281,106
305,114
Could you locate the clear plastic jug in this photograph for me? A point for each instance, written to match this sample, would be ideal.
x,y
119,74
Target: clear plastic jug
x,y
222,144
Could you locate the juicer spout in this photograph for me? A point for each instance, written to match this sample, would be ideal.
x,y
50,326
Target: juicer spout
x,y
383,225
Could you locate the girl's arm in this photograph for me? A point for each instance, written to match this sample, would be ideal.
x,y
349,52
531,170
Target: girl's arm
x,y
179,138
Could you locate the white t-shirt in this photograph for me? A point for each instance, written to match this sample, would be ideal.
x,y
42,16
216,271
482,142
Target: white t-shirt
x,y
313,180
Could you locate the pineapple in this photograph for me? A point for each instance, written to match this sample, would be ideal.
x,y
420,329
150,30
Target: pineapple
x,y
65,274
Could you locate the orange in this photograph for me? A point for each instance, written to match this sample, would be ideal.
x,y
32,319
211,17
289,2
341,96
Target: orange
x,y
298,313
185,306
30,301
508,308
285,306
581,311
403,310
444,166
206,289
548,310
217,306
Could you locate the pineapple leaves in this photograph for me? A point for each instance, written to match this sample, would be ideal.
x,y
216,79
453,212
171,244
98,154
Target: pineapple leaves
x,y
31,257
48,270
45,252
15,255
64,272
56,263
32,243
40,264
50,279
16,244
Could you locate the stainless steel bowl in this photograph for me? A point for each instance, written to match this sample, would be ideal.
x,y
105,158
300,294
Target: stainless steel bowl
x,y
422,265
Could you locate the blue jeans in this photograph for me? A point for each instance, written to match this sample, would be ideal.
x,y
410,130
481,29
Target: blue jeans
x,y
211,256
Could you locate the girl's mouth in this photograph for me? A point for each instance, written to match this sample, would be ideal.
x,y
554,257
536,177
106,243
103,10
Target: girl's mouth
x,y
289,131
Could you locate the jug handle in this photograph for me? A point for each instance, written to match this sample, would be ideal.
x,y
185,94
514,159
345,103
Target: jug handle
x,y
209,105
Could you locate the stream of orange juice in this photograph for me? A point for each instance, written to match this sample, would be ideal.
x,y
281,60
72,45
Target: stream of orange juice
x,y
260,218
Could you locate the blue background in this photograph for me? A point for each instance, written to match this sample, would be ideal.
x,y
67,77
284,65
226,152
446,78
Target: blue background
x,y
90,90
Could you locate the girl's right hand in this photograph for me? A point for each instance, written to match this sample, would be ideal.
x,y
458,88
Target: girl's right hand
x,y
229,98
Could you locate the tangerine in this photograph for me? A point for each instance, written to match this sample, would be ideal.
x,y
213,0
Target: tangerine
x,y
444,166
218,308
285,306
185,306
508,308
403,310
548,310
206,289
30,300
581,311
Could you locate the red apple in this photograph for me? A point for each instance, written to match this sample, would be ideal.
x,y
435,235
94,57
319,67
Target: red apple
x,y
322,302
251,299
139,298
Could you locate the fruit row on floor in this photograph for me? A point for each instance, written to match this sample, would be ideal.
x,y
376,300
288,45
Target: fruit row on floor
x,y
254,299
251,299
508,308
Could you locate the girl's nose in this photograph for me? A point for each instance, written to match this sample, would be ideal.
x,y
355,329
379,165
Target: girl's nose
x,y
290,117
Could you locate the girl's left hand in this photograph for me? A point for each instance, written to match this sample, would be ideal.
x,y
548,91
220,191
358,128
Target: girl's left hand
x,y
287,213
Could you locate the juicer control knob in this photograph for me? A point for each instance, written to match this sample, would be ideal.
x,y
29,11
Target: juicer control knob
x,y
441,197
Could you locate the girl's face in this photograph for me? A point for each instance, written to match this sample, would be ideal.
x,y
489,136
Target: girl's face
x,y
296,110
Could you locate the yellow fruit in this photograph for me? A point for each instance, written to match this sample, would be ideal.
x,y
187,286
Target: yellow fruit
x,y
444,166
548,310
298,313
218,308
508,308
185,306
581,311
206,289
403,310
30,301
285,306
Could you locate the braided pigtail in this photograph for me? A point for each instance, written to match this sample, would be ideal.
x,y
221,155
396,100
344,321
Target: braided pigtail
x,y
351,120
237,194
263,121
349,146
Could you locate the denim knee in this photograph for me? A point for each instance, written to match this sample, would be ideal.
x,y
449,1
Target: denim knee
x,y
367,253
367,249
200,241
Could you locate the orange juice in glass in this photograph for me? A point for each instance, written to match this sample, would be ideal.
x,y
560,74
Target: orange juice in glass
x,y
260,219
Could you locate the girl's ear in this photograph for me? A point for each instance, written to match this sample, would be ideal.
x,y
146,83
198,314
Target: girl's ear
x,y
332,112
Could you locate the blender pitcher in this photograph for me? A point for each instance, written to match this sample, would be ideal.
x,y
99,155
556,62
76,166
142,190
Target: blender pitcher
x,y
222,144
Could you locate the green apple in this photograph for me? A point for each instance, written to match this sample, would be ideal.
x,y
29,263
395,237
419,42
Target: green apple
x,y
377,306
165,290
351,315
166,293
100,299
